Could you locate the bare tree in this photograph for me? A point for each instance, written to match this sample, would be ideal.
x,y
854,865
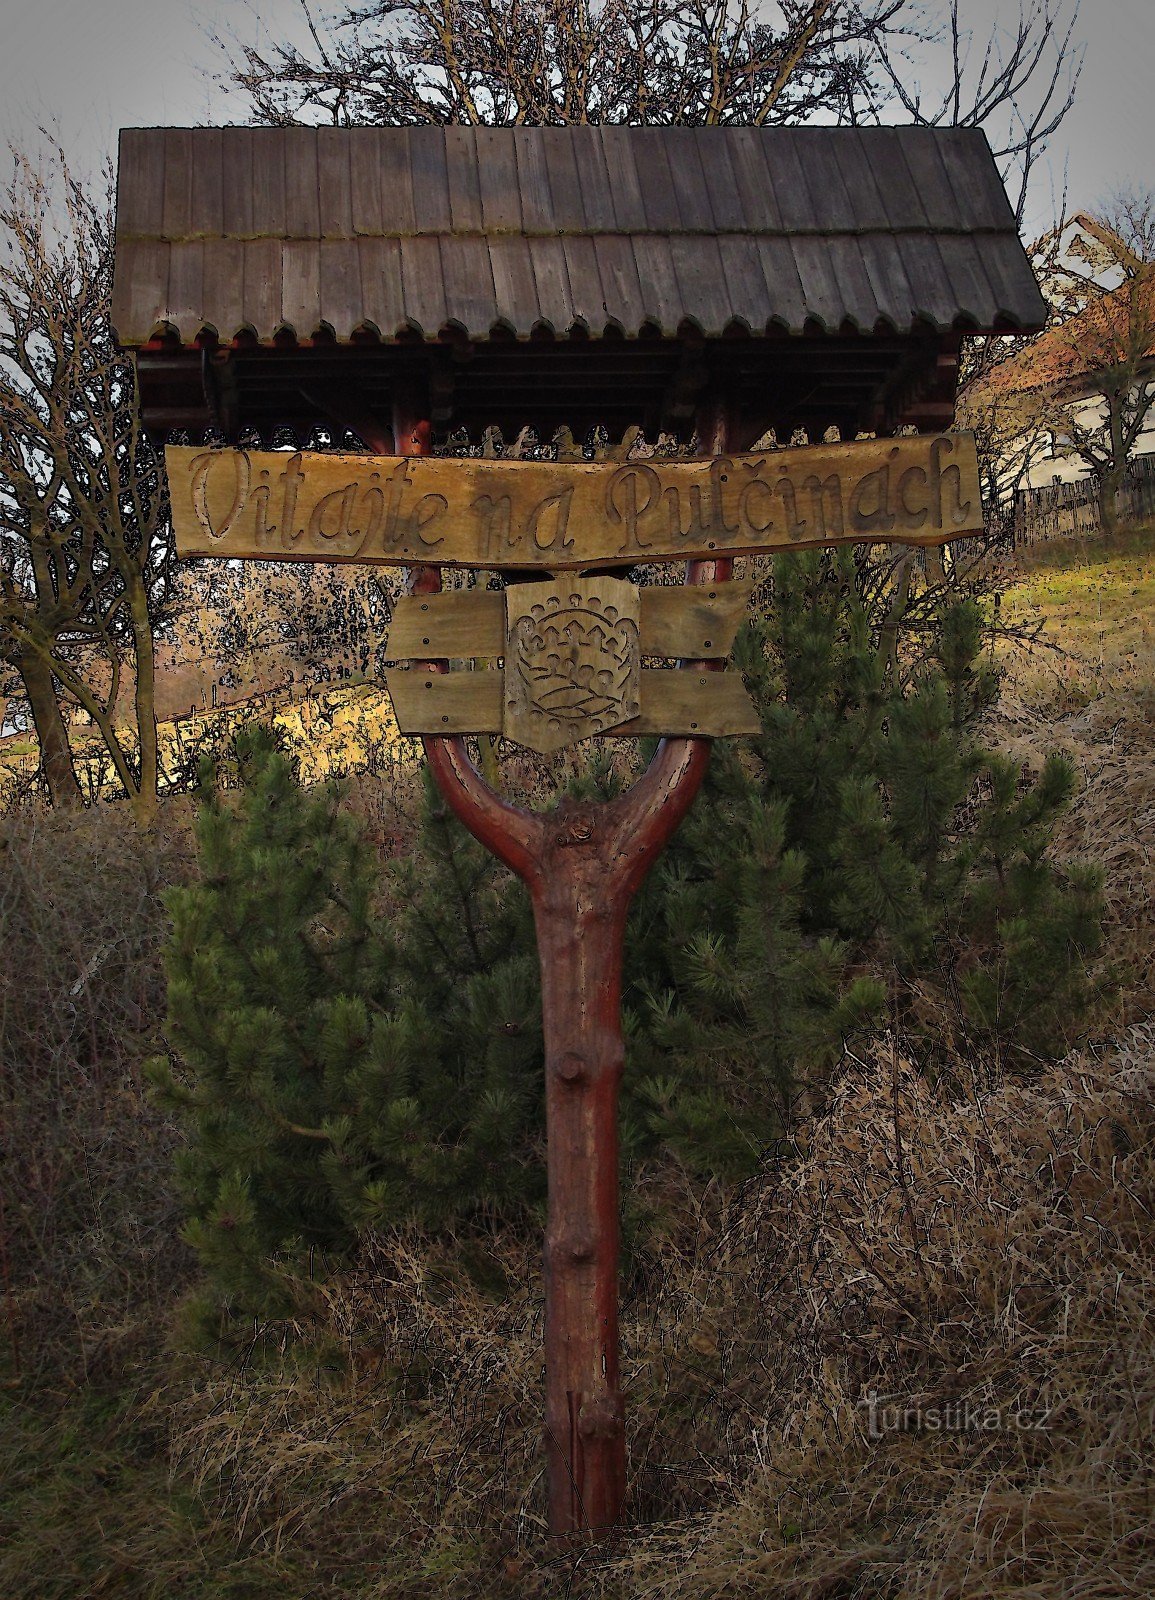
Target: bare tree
x,y
1018,82
699,62
551,62
84,551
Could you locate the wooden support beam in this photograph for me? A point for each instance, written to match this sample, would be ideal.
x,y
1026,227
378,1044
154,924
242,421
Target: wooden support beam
x,y
679,623
684,704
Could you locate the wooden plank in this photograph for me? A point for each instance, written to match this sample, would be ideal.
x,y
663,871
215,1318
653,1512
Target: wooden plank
x,y
552,281
970,287
340,285
366,160
787,297
395,181
703,705
564,188
713,147
301,286
140,183
682,150
864,185
688,623
622,173
568,515
593,176
821,289
423,283
302,181
702,282
749,157
893,295
236,183
584,281
934,298
382,298
709,705
533,182
658,183
178,161
144,268
186,288
924,161
451,702
268,182
430,180
514,284
691,623
456,625
659,282
497,177
981,197
334,183
469,293
618,270
224,279
746,286
264,271
572,660
882,150
791,191
822,201
206,200
461,168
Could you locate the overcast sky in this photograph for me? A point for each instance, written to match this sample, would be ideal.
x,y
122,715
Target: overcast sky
x,y
93,66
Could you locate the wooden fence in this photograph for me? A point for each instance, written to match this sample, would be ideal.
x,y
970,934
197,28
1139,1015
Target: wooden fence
x,y
1071,510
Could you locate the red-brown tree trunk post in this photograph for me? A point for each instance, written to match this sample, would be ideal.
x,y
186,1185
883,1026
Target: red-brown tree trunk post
x,y
582,864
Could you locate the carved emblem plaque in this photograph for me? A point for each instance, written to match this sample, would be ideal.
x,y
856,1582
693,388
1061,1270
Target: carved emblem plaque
x,y
572,660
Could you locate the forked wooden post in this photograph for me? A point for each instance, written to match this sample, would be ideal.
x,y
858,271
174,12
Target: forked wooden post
x,y
582,864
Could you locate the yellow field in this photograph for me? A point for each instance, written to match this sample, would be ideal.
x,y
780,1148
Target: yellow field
x,y
1096,608
341,730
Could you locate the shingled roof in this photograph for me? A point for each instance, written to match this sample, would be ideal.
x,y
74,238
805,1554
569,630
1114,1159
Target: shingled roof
x,y
285,277
418,230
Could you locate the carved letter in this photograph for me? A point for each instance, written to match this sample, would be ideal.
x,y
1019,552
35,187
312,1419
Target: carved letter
x,y
939,476
826,494
911,516
242,476
720,469
374,510
623,503
875,517
497,535
292,478
344,498
393,531
420,518
795,527
560,504
263,530
745,515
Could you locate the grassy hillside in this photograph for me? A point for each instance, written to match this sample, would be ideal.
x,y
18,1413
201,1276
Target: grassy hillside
x,y
914,1358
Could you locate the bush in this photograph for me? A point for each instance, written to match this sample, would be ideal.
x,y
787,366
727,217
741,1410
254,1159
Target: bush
x,y
360,1050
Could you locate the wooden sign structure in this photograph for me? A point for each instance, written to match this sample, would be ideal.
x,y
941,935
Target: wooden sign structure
x,y
572,647
709,283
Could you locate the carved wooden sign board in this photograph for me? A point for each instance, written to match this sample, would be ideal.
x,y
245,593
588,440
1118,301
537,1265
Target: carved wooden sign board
x,y
573,645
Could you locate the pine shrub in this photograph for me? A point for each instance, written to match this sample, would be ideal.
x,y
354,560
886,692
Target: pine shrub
x,y
356,1044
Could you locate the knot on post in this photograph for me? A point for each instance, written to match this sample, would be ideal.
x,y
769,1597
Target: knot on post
x,y
572,1068
602,1416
